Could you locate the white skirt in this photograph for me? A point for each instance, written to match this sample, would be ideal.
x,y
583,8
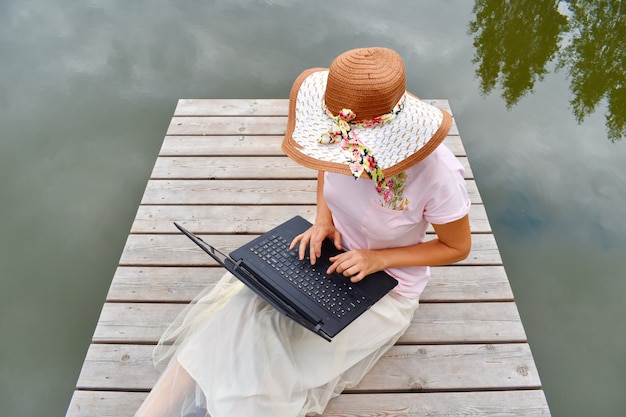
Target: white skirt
x,y
235,355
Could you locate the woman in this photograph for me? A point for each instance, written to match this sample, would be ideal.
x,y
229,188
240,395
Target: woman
x,y
384,176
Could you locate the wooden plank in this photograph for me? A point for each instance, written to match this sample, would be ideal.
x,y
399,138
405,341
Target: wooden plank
x,y
437,323
238,125
403,368
178,250
118,367
221,145
217,219
237,167
230,167
253,107
182,284
467,283
434,323
527,403
248,145
452,367
245,219
232,107
134,322
161,284
247,192
104,403
235,125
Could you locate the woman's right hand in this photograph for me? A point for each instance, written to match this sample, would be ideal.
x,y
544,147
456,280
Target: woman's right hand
x,y
314,237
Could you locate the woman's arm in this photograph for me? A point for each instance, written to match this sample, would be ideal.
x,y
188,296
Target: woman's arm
x,y
453,244
323,227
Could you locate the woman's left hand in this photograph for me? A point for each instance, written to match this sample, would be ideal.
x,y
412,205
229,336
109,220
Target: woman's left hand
x,y
356,264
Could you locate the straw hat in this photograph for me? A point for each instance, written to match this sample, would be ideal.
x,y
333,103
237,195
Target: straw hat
x,y
357,117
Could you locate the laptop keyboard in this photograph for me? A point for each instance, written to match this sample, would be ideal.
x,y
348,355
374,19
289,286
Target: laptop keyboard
x,y
338,297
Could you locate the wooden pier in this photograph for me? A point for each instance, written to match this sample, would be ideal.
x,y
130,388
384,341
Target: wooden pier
x,y
221,174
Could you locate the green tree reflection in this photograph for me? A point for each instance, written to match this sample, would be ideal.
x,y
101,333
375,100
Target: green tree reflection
x,y
515,40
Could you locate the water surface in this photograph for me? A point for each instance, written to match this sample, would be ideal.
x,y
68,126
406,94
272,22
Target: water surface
x,y
87,90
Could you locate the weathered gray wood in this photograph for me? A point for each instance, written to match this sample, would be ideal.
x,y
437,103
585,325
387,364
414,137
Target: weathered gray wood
x,y
134,322
205,192
253,107
523,403
236,167
219,218
178,250
235,125
467,283
248,145
527,403
436,323
161,284
230,167
247,192
118,367
452,367
221,145
246,219
232,107
104,403
182,284
402,368
452,323
238,125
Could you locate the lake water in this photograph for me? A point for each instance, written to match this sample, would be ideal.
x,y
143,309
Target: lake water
x,y
87,90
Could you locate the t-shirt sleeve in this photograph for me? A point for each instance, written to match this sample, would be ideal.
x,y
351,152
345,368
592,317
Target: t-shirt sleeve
x,y
448,200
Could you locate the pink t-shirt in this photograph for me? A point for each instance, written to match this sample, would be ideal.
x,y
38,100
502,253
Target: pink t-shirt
x,y
436,193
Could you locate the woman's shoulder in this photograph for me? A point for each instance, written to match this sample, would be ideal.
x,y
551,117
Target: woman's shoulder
x,y
441,161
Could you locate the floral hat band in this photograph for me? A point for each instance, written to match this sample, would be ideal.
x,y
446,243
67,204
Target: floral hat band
x,y
358,157
344,122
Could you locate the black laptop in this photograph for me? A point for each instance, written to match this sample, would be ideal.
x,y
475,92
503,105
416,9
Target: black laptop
x,y
324,304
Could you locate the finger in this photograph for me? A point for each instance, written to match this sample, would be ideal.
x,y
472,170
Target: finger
x,y
304,241
352,269
313,251
336,261
295,241
346,268
337,239
358,277
333,267
318,246
349,271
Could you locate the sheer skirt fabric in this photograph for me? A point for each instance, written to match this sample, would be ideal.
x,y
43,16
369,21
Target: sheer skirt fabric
x,y
232,354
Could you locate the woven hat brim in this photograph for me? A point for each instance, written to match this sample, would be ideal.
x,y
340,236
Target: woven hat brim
x,y
397,145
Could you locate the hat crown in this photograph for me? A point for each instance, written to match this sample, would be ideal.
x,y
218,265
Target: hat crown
x,y
368,81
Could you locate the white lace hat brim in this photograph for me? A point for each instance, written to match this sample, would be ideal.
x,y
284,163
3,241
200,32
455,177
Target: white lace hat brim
x,y
412,134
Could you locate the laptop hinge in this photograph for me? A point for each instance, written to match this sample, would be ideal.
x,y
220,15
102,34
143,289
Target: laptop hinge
x,y
238,263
